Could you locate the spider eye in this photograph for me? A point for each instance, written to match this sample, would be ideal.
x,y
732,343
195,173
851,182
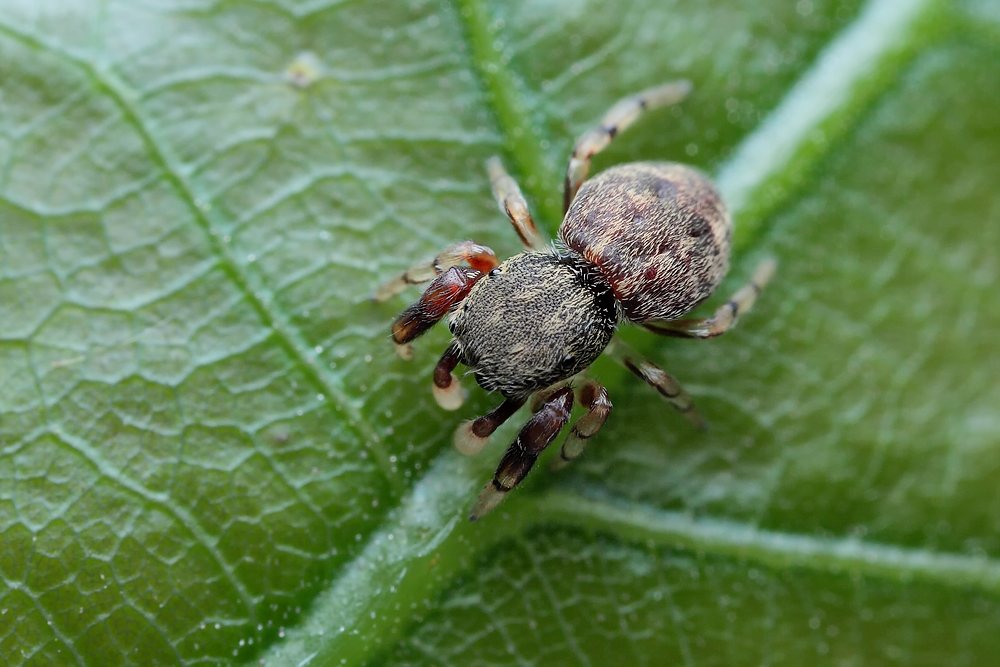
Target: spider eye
x,y
493,273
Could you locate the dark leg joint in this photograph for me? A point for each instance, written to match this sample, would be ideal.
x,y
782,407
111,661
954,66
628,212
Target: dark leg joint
x,y
471,437
629,364
442,372
492,420
447,390
667,394
500,487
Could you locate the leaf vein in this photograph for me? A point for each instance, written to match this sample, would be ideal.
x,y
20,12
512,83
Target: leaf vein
x,y
772,548
291,340
162,501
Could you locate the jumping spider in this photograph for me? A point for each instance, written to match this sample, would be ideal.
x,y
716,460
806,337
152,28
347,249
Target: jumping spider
x,y
644,242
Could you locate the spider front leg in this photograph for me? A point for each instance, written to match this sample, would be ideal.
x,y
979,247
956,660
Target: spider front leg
x,y
447,388
478,256
657,378
619,117
471,437
513,204
725,316
440,296
537,434
594,397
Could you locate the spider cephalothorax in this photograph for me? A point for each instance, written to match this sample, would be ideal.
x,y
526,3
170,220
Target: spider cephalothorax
x,y
644,242
556,297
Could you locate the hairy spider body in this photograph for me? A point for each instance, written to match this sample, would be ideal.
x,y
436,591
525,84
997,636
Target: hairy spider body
x,y
658,231
644,242
556,296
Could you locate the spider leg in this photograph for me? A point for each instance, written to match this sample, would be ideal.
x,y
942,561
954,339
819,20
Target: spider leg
x,y
657,378
478,256
512,203
447,389
440,296
471,436
725,316
594,397
619,117
537,434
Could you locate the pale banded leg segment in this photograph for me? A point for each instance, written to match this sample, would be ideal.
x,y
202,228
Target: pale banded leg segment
x,y
512,203
725,316
478,257
657,378
473,435
447,389
594,397
619,117
537,434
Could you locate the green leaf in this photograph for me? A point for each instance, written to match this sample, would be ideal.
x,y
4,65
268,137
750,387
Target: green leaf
x,y
209,454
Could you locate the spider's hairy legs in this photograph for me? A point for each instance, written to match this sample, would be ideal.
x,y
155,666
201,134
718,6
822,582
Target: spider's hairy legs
x,y
472,436
537,434
657,378
477,256
447,389
594,397
620,116
512,203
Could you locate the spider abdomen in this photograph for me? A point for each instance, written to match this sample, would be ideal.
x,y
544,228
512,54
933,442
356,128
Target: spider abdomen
x,y
659,233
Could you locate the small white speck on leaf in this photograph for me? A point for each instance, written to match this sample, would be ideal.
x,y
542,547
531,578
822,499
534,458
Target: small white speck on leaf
x,y
305,70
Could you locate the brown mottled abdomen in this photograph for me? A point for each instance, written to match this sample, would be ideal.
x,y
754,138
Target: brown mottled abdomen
x,y
657,230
